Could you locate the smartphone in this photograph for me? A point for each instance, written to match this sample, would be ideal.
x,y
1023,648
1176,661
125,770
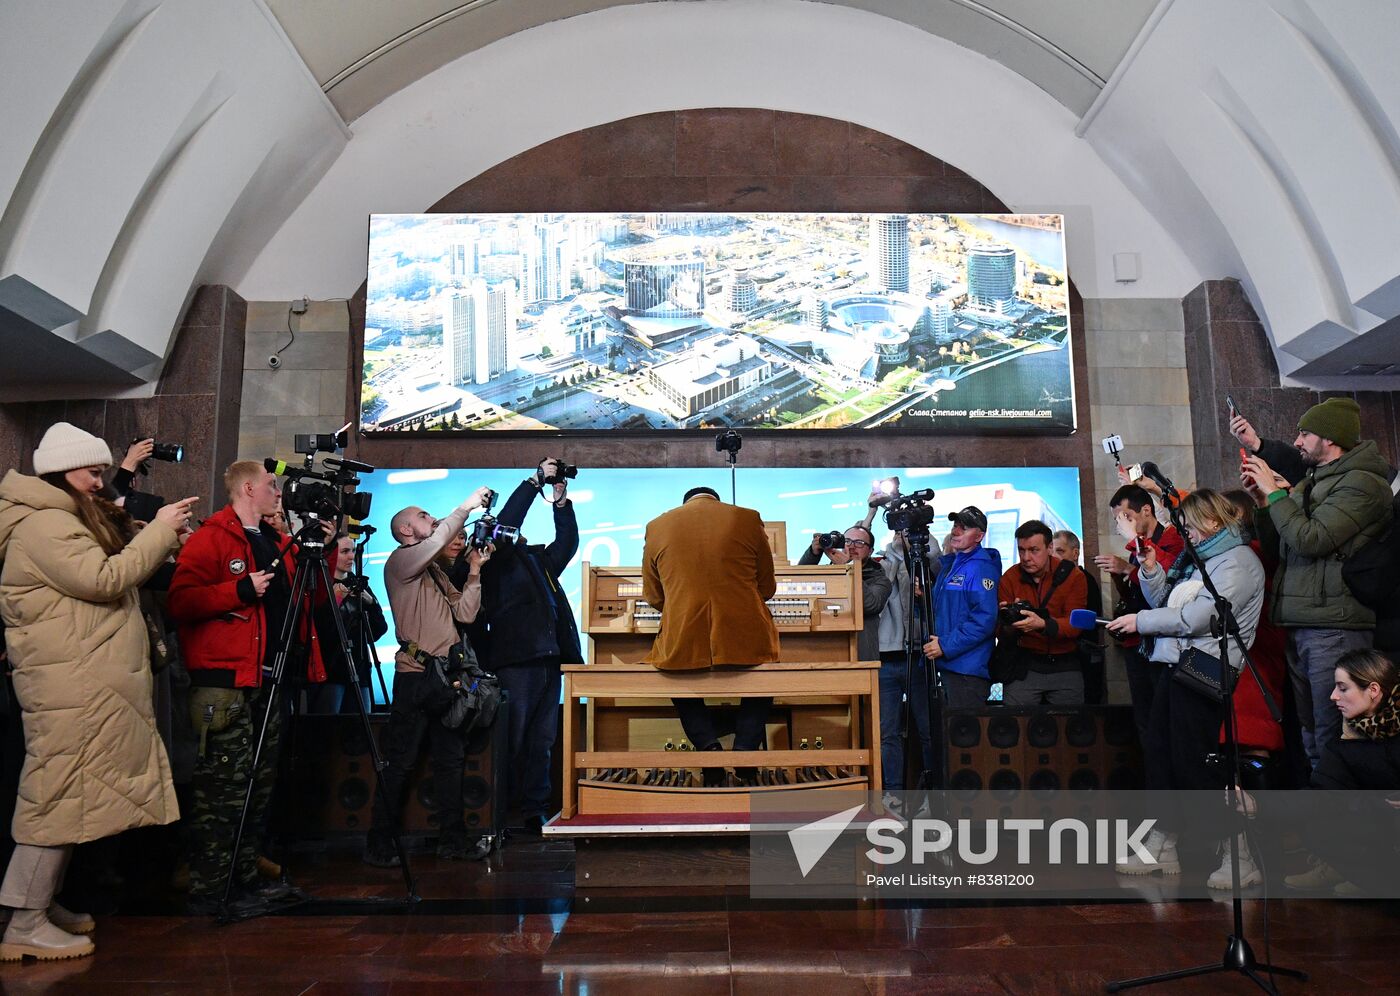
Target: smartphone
x,y
1230,404
1135,473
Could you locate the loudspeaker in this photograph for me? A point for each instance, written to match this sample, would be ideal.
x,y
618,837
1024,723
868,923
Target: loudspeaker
x,y
1042,750
327,785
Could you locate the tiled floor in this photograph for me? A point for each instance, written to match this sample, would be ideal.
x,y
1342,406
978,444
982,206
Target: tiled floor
x,y
513,927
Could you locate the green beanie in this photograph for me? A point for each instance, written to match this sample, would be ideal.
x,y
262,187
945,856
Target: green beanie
x,y
1337,419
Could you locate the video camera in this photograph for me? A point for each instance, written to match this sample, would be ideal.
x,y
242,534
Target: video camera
x,y
911,512
323,494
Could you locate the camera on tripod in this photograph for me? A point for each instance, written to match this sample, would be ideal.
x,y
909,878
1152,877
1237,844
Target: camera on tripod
x,y
323,494
911,512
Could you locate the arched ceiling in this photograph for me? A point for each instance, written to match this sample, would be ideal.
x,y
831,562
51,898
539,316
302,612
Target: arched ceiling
x,y
362,51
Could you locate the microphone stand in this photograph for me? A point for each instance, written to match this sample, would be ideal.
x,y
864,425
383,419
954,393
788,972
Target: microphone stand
x,y
1239,956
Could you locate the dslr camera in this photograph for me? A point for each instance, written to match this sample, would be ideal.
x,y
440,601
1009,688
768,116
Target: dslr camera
x,y
833,540
564,471
1009,614
165,452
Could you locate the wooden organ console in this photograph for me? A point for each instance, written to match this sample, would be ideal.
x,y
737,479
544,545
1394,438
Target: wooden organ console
x,y
823,731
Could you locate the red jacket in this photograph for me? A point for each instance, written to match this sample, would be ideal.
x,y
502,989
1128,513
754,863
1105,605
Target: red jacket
x,y
1254,725
218,629
1169,546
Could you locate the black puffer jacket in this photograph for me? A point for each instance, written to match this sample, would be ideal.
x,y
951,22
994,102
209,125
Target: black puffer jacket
x,y
528,616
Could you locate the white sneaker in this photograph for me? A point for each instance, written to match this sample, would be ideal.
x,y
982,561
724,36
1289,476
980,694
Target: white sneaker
x,y
1249,871
1162,847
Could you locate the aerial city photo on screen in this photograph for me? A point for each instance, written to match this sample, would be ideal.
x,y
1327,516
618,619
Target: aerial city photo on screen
x,y
637,322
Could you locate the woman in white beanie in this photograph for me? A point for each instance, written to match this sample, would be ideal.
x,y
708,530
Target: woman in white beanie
x,y
94,764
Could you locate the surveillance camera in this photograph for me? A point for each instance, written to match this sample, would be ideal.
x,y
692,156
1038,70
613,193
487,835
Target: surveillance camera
x,y
274,361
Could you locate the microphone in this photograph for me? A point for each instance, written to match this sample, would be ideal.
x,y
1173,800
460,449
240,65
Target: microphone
x,y
923,494
1085,619
1152,471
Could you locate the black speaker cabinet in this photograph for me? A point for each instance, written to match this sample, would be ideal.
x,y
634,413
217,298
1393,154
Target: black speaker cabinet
x,y
327,785
1041,750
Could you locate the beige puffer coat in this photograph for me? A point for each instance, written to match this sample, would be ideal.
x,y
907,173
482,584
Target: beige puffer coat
x,y
94,764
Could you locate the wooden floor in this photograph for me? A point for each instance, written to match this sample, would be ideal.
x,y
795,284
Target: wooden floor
x,y
515,926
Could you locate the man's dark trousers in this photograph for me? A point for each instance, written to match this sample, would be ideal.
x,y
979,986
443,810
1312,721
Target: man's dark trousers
x,y
409,722
532,711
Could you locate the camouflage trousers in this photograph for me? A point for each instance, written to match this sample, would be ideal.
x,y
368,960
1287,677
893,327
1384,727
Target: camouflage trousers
x,y
219,786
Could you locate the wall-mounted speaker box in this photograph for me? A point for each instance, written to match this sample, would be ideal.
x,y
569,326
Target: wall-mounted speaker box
x,y
1004,750
327,784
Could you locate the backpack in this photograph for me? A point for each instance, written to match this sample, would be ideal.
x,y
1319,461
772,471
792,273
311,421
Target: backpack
x,y
1373,572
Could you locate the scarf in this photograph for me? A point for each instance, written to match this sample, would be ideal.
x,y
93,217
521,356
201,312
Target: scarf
x,y
1382,724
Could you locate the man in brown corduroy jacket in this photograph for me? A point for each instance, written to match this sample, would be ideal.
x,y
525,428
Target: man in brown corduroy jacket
x,y
709,569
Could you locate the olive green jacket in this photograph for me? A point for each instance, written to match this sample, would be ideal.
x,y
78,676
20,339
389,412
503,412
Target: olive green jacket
x,y
1334,511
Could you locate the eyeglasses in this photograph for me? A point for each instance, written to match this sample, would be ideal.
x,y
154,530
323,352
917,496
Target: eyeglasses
x,y
856,542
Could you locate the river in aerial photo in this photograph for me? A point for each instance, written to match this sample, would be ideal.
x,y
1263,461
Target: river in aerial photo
x,y
1021,389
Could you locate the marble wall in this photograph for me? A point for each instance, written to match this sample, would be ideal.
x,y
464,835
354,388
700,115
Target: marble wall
x,y
1227,351
197,404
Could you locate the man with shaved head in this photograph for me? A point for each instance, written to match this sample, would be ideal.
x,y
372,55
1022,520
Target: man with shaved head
x,y
426,608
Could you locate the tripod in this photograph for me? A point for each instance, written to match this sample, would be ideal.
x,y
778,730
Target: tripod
x,y
365,653
1239,956
918,627
312,573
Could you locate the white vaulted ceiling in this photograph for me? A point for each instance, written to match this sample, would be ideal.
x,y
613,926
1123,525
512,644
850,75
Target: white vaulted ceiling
x,y
361,51
155,145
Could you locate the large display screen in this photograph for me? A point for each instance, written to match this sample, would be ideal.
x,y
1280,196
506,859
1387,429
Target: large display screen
x,y
653,322
613,506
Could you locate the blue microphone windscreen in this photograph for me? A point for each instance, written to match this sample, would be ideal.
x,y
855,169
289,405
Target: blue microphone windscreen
x,y
1083,619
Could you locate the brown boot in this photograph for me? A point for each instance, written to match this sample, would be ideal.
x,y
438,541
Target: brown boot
x,y
67,920
30,933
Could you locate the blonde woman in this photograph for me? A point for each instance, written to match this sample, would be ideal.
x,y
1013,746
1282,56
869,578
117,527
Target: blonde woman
x,y
1185,725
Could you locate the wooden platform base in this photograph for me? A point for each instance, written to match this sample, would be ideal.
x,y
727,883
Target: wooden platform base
x,y
677,862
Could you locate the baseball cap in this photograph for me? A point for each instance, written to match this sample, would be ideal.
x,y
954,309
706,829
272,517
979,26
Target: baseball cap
x,y
970,517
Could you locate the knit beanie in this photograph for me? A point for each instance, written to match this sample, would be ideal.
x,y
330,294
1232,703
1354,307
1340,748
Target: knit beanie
x,y
1337,419
65,447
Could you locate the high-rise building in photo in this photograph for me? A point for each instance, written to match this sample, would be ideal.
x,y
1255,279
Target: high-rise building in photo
x,y
502,318
743,293
466,358
665,290
816,310
991,277
889,251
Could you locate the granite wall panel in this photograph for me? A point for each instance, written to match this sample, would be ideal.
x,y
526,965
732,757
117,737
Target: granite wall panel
x,y
1228,352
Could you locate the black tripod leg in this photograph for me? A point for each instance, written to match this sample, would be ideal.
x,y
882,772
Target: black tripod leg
x,y
376,758
1152,980
272,682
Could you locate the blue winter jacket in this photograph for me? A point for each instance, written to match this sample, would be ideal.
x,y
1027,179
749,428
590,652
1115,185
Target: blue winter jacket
x,y
965,610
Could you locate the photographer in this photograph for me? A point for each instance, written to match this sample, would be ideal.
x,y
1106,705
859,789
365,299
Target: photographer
x,y
1066,547
1039,646
965,612
231,592
854,546
531,632
364,622
94,764
426,609
1136,521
